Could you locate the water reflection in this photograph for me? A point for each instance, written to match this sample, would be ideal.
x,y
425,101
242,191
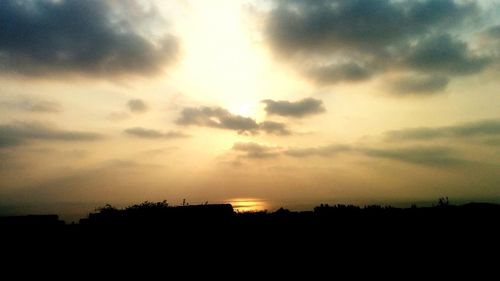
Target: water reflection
x,y
248,204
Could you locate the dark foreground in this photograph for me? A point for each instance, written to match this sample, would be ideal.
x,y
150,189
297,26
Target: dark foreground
x,y
468,232
347,221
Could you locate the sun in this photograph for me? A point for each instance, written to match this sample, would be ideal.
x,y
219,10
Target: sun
x,y
245,109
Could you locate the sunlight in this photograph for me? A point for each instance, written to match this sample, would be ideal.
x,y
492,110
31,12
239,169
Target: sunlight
x,y
246,110
219,62
248,204
258,103
228,68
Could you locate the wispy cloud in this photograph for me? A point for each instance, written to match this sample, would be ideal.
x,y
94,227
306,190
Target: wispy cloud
x,y
482,128
154,134
255,150
34,105
434,156
22,132
322,151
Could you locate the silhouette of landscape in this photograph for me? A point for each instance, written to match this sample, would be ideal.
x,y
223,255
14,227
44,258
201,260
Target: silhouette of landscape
x,y
160,217
216,234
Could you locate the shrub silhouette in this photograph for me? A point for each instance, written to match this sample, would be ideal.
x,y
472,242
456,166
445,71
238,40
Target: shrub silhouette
x,y
148,206
443,202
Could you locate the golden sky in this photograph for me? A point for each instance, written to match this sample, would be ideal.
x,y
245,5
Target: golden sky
x,y
261,103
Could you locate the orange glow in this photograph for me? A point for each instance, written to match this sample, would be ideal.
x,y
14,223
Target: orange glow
x,y
248,204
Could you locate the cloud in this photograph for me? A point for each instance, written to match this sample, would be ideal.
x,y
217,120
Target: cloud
x,y
20,133
274,128
33,105
137,106
217,117
418,84
444,54
331,41
153,134
298,109
322,151
490,42
255,150
333,73
92,37
434,156
329,26
494,32
484,128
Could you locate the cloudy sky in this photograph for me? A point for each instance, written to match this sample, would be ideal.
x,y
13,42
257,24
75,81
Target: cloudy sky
x,y
265,102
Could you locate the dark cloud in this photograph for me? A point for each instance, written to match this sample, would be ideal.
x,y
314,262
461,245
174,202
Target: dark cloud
x,y
33,105
434,156
255,150
70,36
340,72
444,54
217,117
480,128
302,108
274,128
490,42
484,128
153,134
334,40
137,106
493,32
20,133
328,26
420,84
322,151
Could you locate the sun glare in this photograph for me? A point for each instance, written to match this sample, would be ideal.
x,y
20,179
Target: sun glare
x,y
222,63
248,204
246,110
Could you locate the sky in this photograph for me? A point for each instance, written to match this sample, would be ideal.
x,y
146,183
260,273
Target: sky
x,y
261,103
